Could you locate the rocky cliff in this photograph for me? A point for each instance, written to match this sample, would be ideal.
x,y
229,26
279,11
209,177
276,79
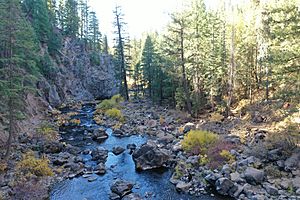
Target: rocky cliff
x,y
77,77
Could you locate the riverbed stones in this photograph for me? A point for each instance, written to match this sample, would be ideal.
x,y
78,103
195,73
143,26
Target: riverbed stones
x,y
100,169
99,135
99,155
121,187
132,196
254,176
118,150
150,156
272,190
182,186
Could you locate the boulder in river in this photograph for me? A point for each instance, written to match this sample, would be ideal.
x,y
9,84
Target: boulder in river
x,y
121,187
100,155
99,135
100,169
150,156
118,150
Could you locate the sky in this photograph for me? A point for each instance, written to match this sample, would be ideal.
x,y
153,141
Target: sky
x,y
140,15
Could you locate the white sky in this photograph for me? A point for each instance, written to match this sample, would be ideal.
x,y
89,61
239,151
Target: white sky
x,y
140,15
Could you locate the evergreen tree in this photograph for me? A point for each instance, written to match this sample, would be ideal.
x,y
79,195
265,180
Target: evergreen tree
x,y
70,19
120,52
94,34
17,63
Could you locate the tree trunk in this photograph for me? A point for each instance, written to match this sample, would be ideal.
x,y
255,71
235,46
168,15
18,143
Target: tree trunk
x,y
184,80
123,68
231,71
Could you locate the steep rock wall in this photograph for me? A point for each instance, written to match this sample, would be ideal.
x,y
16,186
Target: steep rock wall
x,y
77,78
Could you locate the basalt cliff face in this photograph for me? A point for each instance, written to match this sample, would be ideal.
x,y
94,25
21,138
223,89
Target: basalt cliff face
x,y
77,78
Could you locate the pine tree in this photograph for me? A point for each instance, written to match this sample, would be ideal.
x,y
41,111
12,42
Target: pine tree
x,y
70,19
94,34
120,52
17,63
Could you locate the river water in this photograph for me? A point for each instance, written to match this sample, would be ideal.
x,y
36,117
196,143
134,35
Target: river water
x,y
153,184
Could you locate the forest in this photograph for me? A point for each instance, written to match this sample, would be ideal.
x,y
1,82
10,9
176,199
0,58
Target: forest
x,y
212,100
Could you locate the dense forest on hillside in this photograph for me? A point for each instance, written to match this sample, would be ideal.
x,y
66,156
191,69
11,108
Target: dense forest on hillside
x,y
234,61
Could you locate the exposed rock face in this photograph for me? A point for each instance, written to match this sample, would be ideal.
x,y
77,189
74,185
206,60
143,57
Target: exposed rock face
x,y
77,78
149,156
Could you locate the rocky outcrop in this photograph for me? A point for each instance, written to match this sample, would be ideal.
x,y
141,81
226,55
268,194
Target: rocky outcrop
x,y
77,78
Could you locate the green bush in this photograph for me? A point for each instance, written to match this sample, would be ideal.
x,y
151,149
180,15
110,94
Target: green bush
x,y
113,102
29,165
47,131
115,113
198,141
117,98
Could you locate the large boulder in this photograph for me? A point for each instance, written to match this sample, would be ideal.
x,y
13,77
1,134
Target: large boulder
x,y
293,162
121,187
224,185
99,155
150,156
99,135
254,176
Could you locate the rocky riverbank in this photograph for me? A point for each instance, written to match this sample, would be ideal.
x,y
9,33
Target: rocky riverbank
x,y
257,171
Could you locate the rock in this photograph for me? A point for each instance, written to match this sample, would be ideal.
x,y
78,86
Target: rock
x,y
293,162
238,189
296,182
285,183
150,156
118,150
121,187
60,161
254,176
298,191
132,196
53,147
194,160
165,138
189,126
100,169
131,147
99,135
183,186
226,170
233,139
92,179
118,133
271,189
235,177
177,147
78,159
151,123
100,154
223,185
275,154
212,177
114,196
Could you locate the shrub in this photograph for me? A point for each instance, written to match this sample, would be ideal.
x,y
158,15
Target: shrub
x,y
75,121
197,141
30,189
29,165
106,104
3,167
47,131
218,154
115,114
113,102
117,98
